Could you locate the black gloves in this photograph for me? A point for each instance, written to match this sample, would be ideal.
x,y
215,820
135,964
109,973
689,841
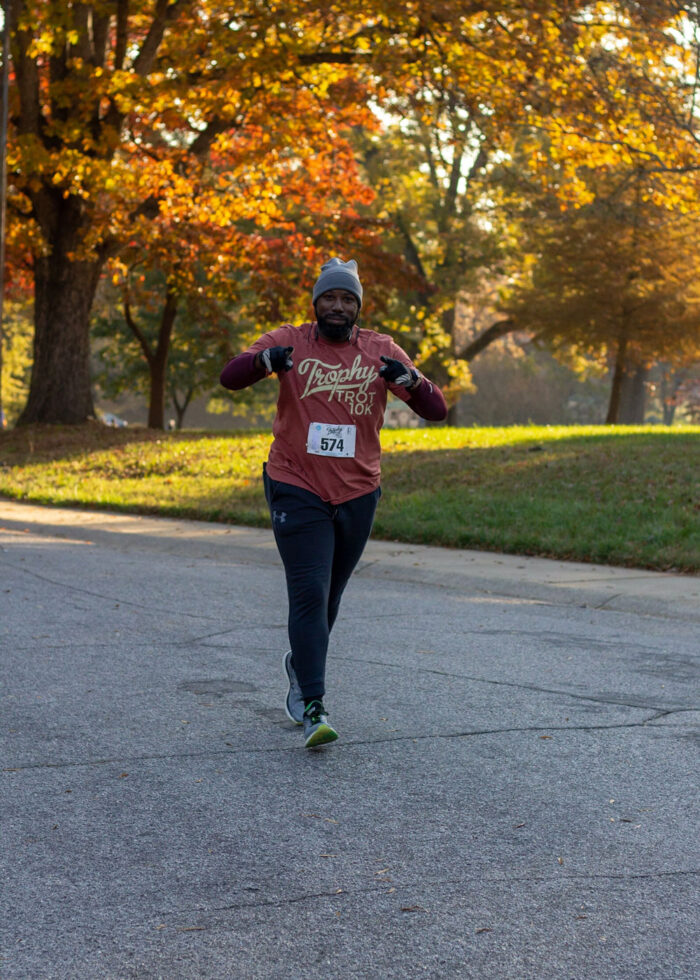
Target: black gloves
x,y
397,373
277,359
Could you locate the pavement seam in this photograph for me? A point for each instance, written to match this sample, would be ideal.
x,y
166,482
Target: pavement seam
x,y
556,601
346,743
100,595
520,686
411,886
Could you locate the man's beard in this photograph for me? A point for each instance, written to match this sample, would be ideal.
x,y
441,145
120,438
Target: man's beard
x,y
336,330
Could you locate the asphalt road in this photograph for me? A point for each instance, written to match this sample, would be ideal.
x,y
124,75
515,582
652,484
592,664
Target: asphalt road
x,y
513,795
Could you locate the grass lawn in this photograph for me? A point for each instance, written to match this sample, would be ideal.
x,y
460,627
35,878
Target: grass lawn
x,y
617,495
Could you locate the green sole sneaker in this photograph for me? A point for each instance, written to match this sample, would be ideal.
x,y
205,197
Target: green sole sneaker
x,y
320,735
294,701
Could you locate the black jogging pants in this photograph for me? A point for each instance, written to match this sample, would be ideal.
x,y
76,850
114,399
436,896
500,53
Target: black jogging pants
x,y
319,544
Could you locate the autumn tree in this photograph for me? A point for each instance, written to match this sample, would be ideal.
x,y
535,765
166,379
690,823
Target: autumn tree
x,y
477,77
116,104
242,246
559,91
468,86
615,279
608,191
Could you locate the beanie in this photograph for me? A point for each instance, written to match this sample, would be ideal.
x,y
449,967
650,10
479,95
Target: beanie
x,y
336,274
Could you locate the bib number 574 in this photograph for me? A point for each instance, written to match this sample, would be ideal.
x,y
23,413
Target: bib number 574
x,y
332,445
331,439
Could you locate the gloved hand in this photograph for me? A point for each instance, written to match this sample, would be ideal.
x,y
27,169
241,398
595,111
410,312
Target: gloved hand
x,y
397,373
277,359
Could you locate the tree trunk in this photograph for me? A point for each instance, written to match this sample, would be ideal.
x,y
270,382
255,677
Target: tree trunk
x,y
181,406
616,389
670,383
60,390
158,364
633,394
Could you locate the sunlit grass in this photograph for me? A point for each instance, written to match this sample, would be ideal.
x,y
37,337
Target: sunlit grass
x,y
620,495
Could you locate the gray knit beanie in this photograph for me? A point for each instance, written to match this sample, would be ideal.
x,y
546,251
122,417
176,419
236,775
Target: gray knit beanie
x,y
336,274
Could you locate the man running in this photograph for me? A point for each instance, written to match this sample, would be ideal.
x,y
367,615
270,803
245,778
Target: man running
x,y
323,473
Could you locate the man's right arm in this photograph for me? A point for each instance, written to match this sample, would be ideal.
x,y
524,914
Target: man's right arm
x,y
250,367
242,371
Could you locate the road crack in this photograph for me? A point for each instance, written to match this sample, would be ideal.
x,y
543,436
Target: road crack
x,y
347,743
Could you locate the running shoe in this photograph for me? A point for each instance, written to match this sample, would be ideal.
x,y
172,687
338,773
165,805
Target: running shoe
x,y
294,702
317,731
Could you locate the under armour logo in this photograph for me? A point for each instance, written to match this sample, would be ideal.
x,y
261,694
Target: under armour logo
x,y
279,516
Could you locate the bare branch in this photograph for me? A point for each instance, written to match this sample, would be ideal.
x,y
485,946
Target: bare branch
x,y
335,58
494,332
136,329
122,33
166,11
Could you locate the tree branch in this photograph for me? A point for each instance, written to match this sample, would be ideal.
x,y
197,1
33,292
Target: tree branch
x,y
166,11
100,34
494,332
334,57
201,145
166,323
412,253
122,33
136,330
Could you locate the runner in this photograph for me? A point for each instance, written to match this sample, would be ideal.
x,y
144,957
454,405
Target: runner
x,y
323,472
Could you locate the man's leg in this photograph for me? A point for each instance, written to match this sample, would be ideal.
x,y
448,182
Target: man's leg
x,y
305,537
352,525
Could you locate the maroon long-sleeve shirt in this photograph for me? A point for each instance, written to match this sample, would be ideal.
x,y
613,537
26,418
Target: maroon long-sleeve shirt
x,y
330,408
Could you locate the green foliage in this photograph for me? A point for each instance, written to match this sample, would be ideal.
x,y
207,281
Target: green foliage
x,y
202,335
17,341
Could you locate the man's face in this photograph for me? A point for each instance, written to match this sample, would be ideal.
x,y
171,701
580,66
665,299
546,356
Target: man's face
x,y
336,312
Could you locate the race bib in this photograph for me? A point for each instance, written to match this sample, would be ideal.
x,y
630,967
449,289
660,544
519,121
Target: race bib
x,y
325,439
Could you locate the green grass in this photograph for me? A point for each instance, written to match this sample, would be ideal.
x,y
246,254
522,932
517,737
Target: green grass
x,y
617,495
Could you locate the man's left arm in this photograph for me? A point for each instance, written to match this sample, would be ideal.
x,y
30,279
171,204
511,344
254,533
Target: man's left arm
x,y
420,394
427,400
